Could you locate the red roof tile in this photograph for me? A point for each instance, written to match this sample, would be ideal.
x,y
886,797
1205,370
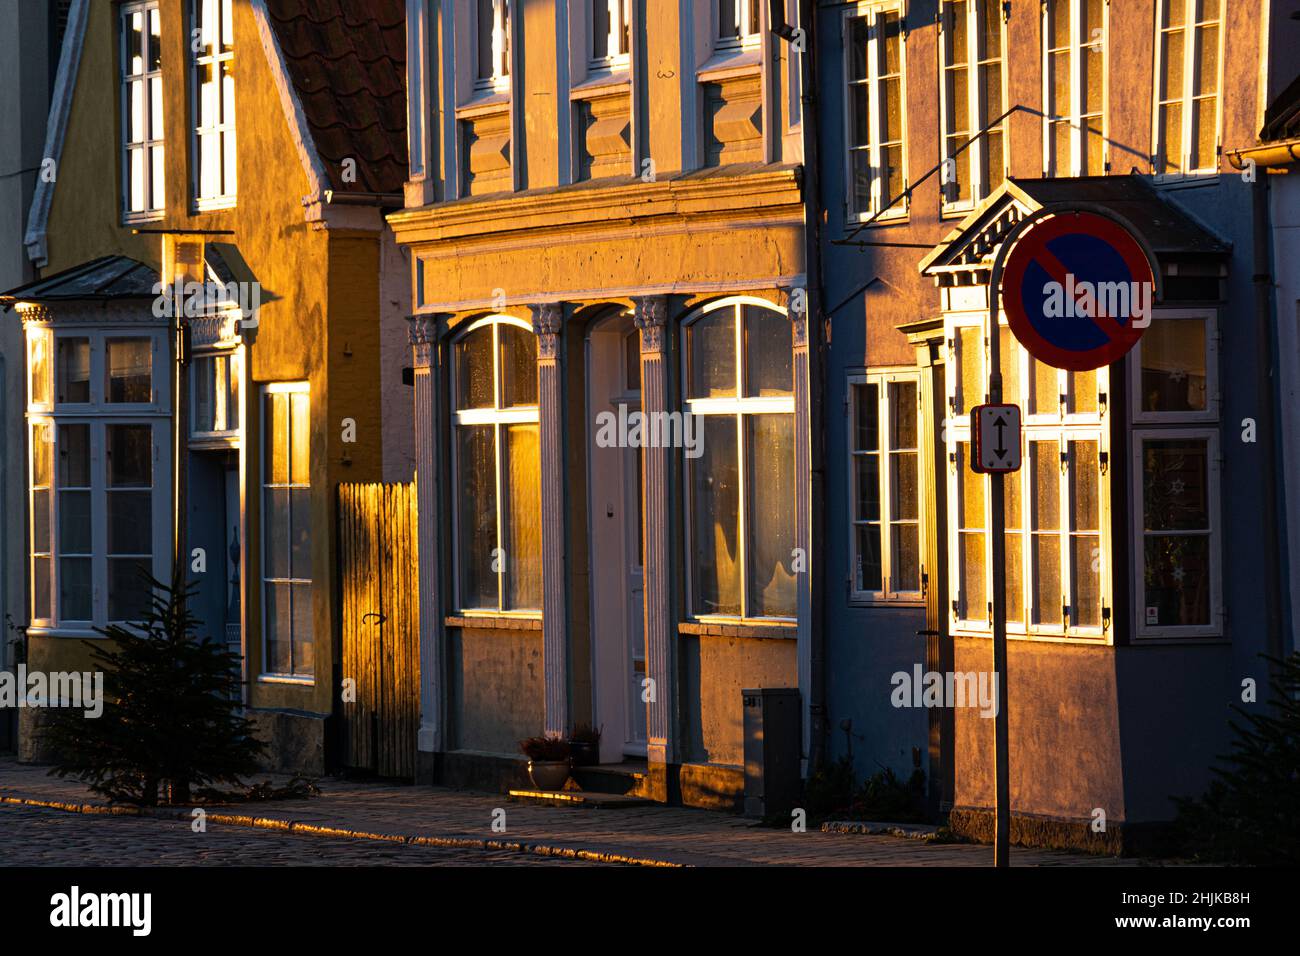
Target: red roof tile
x,y
347,62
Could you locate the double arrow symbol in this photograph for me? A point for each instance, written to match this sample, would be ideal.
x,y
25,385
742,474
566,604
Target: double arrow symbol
x,y
1000,424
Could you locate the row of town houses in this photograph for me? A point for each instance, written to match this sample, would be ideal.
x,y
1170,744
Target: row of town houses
x,y
481,235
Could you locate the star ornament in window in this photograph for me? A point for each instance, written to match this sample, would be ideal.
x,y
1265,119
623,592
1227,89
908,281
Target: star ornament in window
x,y
1178,375
1177,486
1178,575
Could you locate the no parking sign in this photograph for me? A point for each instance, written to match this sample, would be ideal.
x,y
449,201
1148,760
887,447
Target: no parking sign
x,y
1078,289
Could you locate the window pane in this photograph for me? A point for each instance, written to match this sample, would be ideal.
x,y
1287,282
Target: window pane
x,y
74,522
300,533
599,29
1045,521
632,360
41,587
74,456
129,370
39,367
902,415
869,573
970,495
865,403
715,520
523,535
130,524
75,589
768,352
476,515
129,591
727,19
42,450
484,32
41,521
276,438
1047,389
1173,366
1085,581
474,370
1175,484
518,366
130,456
905,557
304,644
711,348
970,344
74,370
769,461
1009,365
276,532
203,376
858,48
1081,399
868,472
1015,586
279,624
1177,580
300,439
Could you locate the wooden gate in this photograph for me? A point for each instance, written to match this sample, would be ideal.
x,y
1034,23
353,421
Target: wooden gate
x,y
380,617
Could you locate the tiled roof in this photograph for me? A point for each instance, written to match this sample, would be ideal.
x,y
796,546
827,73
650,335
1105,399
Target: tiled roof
x,y
347,62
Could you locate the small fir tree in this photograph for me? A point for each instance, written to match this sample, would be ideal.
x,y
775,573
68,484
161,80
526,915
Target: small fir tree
x,y
171,717
1249,812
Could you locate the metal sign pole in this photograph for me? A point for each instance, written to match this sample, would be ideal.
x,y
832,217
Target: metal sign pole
x,y
997,499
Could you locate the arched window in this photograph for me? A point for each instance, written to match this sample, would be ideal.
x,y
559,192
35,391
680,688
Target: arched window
x,y
496,467
740,475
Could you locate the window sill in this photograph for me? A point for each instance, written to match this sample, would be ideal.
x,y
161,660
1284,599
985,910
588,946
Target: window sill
x,y
889,219
484,103
1101,639
494,622
286,679
770,630
908,603
729,63
135,218
600,84
215,204
70,633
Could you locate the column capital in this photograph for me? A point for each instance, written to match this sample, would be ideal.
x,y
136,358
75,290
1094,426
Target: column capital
x,y
422,331
651,316
548,320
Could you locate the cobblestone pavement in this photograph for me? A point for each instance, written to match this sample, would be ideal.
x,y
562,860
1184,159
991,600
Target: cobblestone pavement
x,y
38,837
671,835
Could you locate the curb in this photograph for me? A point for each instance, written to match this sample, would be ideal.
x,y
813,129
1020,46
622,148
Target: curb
x,y
908,831
312,829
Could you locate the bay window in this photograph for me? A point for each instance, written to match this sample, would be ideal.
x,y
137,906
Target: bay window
x,y
492,45
98,493
876,174
289,646
1056,508
140,52
741,488
1176,477
212,50
1189,63
1074,87
497,468
885,542
971,93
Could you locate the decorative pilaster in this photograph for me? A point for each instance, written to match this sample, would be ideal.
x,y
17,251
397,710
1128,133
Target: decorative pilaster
x,y
796,304
651,318
548,321
432,734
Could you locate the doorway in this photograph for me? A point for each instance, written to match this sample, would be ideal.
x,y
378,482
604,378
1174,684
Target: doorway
x,y
616,528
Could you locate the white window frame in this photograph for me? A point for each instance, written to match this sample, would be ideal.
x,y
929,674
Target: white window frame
x,y
872,9
225,127
738,407
616,59
1191,65
264,484
128,80
496,416
499,81
743,18
234,370
1063,428
1078,71
882,379
1212,397
976,108
1214,629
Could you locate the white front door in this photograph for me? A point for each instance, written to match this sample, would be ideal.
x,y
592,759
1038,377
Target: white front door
x,y
617,580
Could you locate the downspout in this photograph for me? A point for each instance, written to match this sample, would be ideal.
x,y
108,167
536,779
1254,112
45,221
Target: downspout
x,y
806,34
1266,394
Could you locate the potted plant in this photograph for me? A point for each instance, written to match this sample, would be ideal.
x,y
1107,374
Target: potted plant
x,y
548,761
584,744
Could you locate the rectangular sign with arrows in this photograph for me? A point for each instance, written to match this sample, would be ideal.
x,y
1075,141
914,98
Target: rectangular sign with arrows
x,y
996,433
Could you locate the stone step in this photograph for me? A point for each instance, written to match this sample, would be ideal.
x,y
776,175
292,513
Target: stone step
x,y
625,778
579,798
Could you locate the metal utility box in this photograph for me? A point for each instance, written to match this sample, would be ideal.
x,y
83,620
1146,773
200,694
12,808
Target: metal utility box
x,y
773,748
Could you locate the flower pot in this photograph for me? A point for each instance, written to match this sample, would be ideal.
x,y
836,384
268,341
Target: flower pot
x,y
548,774
586,753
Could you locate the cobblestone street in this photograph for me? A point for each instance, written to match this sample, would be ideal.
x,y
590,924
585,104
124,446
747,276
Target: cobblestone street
x,y
257,834
41,837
